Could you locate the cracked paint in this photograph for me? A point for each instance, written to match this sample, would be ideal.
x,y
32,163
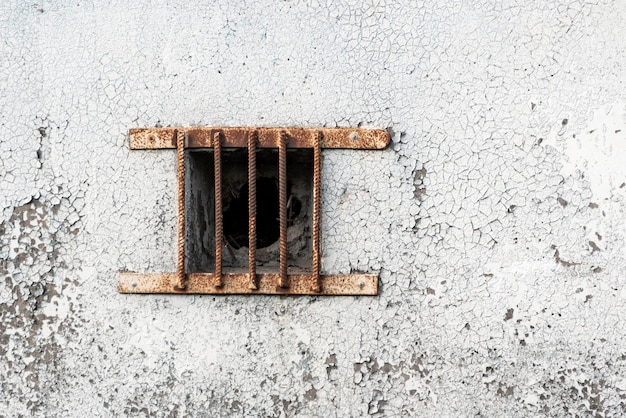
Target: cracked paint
x,y
495,218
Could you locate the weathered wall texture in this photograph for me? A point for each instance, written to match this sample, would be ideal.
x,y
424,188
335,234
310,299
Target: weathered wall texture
x,y
495,218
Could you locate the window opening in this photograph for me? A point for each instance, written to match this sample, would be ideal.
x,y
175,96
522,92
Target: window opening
x,y
249,210
200,197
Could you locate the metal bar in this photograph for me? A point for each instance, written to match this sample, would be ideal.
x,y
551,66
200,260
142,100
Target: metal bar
x,y
202,137
317,198
252,137
180,273
219,214
282,207
237,283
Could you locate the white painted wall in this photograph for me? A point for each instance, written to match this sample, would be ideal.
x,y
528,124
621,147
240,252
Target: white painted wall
x,y
495,219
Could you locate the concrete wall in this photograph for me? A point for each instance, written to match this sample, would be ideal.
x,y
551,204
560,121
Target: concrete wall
x,y
495,218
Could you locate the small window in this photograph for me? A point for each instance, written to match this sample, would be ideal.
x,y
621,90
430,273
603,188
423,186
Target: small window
x,y
249,211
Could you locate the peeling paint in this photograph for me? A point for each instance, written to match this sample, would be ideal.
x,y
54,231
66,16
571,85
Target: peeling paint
x,y
495,219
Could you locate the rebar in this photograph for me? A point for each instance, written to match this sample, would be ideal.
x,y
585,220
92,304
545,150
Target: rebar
x,y
180,272
282,207
317,205
252,141
219,215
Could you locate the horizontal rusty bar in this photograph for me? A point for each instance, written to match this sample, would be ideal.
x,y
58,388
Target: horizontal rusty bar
x,y
238,283
233,137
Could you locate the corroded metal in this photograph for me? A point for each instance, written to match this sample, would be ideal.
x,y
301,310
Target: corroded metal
x,y
180,274
317,202
219,215
282,207
237,283
252,138
253,282
202,137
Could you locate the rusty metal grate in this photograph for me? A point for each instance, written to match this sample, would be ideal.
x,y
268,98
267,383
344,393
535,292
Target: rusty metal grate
x,y
252,282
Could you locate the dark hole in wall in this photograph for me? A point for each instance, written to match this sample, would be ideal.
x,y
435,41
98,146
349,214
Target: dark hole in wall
x,y
267,215
200,209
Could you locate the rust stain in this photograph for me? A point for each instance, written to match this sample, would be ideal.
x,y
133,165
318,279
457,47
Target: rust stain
x,y
202,137
155,138
239,283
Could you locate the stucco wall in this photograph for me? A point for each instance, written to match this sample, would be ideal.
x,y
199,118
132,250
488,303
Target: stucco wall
x,y
495,218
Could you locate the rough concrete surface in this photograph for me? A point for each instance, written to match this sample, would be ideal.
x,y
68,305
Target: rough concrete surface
x,y
496,218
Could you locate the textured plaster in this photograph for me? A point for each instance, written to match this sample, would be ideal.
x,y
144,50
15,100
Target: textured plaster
x,y
495,218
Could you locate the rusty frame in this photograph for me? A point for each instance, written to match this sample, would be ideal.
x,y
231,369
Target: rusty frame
x,y
202,137
238,284
313,283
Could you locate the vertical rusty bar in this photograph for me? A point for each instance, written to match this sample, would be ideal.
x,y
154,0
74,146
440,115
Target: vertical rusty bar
x,y
219,224
252,142
317,205
180,273
282,206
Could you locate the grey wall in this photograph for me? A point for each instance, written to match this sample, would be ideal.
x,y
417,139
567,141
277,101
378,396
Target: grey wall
x,y
495,218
